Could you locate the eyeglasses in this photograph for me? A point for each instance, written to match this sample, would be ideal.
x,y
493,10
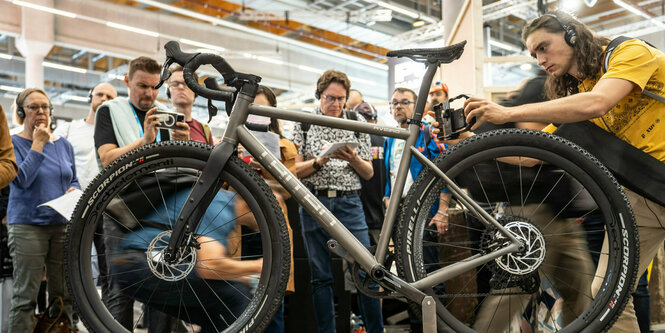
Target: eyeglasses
x,y
333,99
403,103
176,84
36,108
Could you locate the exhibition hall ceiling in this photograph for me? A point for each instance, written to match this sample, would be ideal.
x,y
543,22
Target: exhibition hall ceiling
x,y
357,29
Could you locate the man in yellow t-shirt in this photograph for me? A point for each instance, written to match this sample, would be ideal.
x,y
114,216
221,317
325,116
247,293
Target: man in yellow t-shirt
x,y
579,90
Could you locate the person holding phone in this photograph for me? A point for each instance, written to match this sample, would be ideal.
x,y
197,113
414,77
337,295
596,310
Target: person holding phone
x,y
182,99
121,125
124,124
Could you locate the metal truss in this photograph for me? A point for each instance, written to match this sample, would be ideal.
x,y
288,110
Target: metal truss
x,y
374,15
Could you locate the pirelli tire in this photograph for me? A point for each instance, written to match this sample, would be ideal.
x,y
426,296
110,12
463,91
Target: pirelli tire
x,y
267,288
612,205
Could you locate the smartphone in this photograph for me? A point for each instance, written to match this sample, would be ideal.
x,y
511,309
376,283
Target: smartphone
x,y
168,120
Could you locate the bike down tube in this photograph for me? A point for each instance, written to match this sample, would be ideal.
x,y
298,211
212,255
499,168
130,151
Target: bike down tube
x,y
307,200
205,188
402,173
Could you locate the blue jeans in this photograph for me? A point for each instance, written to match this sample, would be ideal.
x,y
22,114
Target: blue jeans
x,y
349,211
32,248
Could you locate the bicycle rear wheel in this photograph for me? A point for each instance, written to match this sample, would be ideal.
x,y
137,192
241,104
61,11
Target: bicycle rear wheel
x,y
557,199
232,273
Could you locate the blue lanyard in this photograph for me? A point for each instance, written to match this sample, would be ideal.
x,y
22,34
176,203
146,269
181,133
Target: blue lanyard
x,y
138,122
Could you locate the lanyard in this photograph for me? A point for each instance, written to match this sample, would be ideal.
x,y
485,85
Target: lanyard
x,y
138,122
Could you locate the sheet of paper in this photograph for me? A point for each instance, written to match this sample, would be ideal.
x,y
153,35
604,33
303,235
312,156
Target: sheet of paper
x,y
65,204
270,140
328,152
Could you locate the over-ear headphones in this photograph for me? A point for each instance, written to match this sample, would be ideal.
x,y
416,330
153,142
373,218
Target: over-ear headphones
x,y
570,35
20,112
90,95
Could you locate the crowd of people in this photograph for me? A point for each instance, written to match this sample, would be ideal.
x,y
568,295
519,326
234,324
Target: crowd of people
x,y
39,164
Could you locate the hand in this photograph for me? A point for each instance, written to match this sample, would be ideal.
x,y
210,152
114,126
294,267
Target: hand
x,y
70,189
385,202
346,154
181,132
40,134
150,129
440,220
485,110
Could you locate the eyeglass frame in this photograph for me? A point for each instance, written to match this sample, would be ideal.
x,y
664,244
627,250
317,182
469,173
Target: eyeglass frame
x,y
177,84
403,103
334,99
36,108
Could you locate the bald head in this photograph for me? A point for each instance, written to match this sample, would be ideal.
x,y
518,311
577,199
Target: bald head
x,y
101,93
355,98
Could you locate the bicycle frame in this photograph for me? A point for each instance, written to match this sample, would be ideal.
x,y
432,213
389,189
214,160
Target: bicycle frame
x,y
236,133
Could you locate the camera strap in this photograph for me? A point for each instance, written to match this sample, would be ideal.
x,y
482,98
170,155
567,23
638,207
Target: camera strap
x,y
158,138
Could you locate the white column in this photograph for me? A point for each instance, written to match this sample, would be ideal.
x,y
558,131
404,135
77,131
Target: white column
x,y
36,41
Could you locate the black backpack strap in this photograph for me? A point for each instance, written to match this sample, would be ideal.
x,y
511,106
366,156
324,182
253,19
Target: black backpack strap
x,y
305,128
606,62
353,115
610,48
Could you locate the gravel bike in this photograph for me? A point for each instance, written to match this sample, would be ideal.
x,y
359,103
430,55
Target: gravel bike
x,y
163,210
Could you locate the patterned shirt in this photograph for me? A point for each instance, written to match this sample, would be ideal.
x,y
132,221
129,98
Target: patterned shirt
x,y
336,174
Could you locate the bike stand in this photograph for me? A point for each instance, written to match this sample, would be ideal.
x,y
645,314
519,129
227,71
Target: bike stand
x,y
429,315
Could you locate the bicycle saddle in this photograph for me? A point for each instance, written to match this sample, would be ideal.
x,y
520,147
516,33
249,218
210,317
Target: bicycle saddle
x,y
443,55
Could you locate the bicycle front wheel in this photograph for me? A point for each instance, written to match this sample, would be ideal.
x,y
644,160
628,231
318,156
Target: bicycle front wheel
x,y
556,199
231,274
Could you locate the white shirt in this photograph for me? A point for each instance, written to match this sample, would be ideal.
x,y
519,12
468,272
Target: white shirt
x,y
396,156
81,135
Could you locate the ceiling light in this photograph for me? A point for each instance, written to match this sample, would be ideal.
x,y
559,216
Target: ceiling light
x,y
418,23
270,60
202,45
12,89
638,12
76,98
6,56
397,9
504,46
309,69
132,29
44,8
526,67
64,67
570,5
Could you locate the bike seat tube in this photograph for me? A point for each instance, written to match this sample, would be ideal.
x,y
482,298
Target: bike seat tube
x,y
414,128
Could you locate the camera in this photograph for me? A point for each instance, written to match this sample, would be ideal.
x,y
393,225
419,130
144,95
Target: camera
x,y
452,122
168,120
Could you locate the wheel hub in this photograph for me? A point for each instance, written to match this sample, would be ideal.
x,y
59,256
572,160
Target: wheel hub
x,y
175,271
533,253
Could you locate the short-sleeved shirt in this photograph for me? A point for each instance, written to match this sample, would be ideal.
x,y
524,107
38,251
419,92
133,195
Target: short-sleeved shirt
x,y
637,118
104,132
197,133
80,134
336,174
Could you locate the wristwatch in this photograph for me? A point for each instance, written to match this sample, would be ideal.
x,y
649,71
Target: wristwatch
x,y
316,165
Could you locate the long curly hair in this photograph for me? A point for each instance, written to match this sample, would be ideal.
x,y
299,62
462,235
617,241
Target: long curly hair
x,y
587,51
